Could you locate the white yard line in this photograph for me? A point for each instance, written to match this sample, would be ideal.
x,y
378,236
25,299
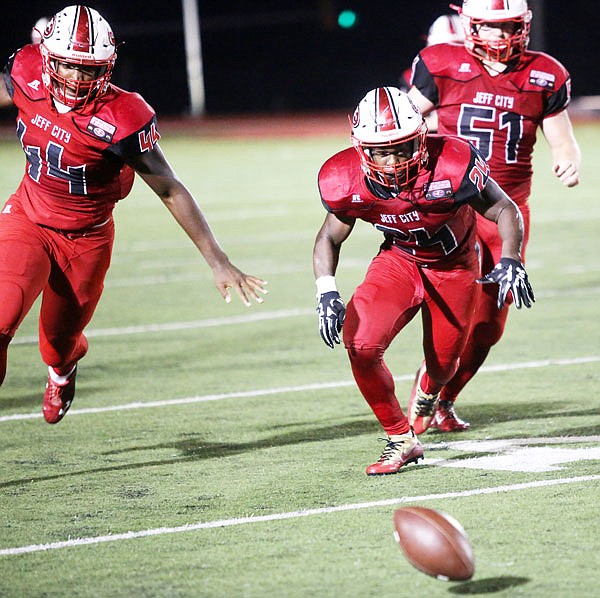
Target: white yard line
x,y
289,515
256,316
259,392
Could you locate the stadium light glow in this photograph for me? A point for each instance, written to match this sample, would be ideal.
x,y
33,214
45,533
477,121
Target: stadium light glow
x,y
347,19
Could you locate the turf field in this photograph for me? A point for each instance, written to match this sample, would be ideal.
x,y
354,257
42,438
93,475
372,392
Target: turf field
x,y
215,450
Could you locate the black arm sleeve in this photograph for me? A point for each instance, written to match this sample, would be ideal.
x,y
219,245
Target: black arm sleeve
x,y
557,101
424,82
475,178
7,78
131,145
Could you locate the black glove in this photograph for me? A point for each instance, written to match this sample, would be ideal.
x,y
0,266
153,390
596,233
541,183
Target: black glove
x,y
332,312
510,275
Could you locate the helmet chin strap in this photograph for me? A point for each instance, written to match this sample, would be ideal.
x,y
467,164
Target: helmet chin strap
x,y
382,190
60,107
493,67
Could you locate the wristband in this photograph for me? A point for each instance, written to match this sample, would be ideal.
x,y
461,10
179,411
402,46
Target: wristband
x,y
325,284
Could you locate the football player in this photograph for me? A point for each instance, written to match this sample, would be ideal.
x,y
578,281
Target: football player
x,y
446,29
83,138
422,193
495,93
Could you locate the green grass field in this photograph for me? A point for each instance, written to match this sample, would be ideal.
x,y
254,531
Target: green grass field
x,y
215,450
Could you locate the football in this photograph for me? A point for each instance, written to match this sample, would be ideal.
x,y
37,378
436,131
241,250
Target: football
x,y
435,543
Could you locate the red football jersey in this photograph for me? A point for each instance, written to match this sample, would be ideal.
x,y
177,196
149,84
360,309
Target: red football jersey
x,y
430,222
76,169
499,115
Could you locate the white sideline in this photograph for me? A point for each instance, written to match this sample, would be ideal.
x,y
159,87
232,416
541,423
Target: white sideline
x,y
245,394
290,515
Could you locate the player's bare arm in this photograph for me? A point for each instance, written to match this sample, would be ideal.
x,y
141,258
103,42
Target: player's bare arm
x,y
420,101
5,99
154,169
566,155
509,273
326,253
495,205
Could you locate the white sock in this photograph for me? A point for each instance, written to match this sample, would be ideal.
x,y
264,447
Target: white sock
x,y
60,380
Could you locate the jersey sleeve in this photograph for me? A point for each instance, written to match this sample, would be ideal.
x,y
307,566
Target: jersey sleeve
x,y
475,178
341,185
459,170
549,77
557,102
127,123
23,75
423,80
138,142
7,77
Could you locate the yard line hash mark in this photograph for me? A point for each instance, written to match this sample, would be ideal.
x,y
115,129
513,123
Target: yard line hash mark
x,y
289,515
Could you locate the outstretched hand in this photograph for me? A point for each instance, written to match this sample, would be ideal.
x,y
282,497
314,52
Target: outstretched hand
x,y
247,287
510,275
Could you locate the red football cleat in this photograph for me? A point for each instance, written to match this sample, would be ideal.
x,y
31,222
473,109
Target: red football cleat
x,y
446,420
58,398
421,406
399,451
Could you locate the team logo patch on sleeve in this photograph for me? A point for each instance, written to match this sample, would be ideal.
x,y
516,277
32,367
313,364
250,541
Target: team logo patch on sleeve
x,y
101,129
438,190
542,79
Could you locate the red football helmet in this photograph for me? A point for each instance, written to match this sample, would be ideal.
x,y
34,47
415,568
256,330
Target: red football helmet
x,y
478,13
78,37
386,119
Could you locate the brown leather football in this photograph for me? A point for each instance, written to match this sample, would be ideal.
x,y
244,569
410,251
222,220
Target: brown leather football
x,y
434,543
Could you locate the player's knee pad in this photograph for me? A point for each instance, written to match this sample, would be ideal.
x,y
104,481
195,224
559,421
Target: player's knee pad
x,y
488,333
442,371
489,321
4,342
362,356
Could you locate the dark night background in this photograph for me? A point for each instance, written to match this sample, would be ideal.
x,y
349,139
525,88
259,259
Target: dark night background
x,y
276,56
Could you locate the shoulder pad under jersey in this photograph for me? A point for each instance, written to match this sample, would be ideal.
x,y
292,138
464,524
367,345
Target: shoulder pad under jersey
x,y
341,183
449,60
117,115
456,167
25,70
538,71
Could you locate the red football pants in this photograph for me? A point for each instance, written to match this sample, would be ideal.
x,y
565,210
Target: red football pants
x,y
489,321
67,269
393,291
